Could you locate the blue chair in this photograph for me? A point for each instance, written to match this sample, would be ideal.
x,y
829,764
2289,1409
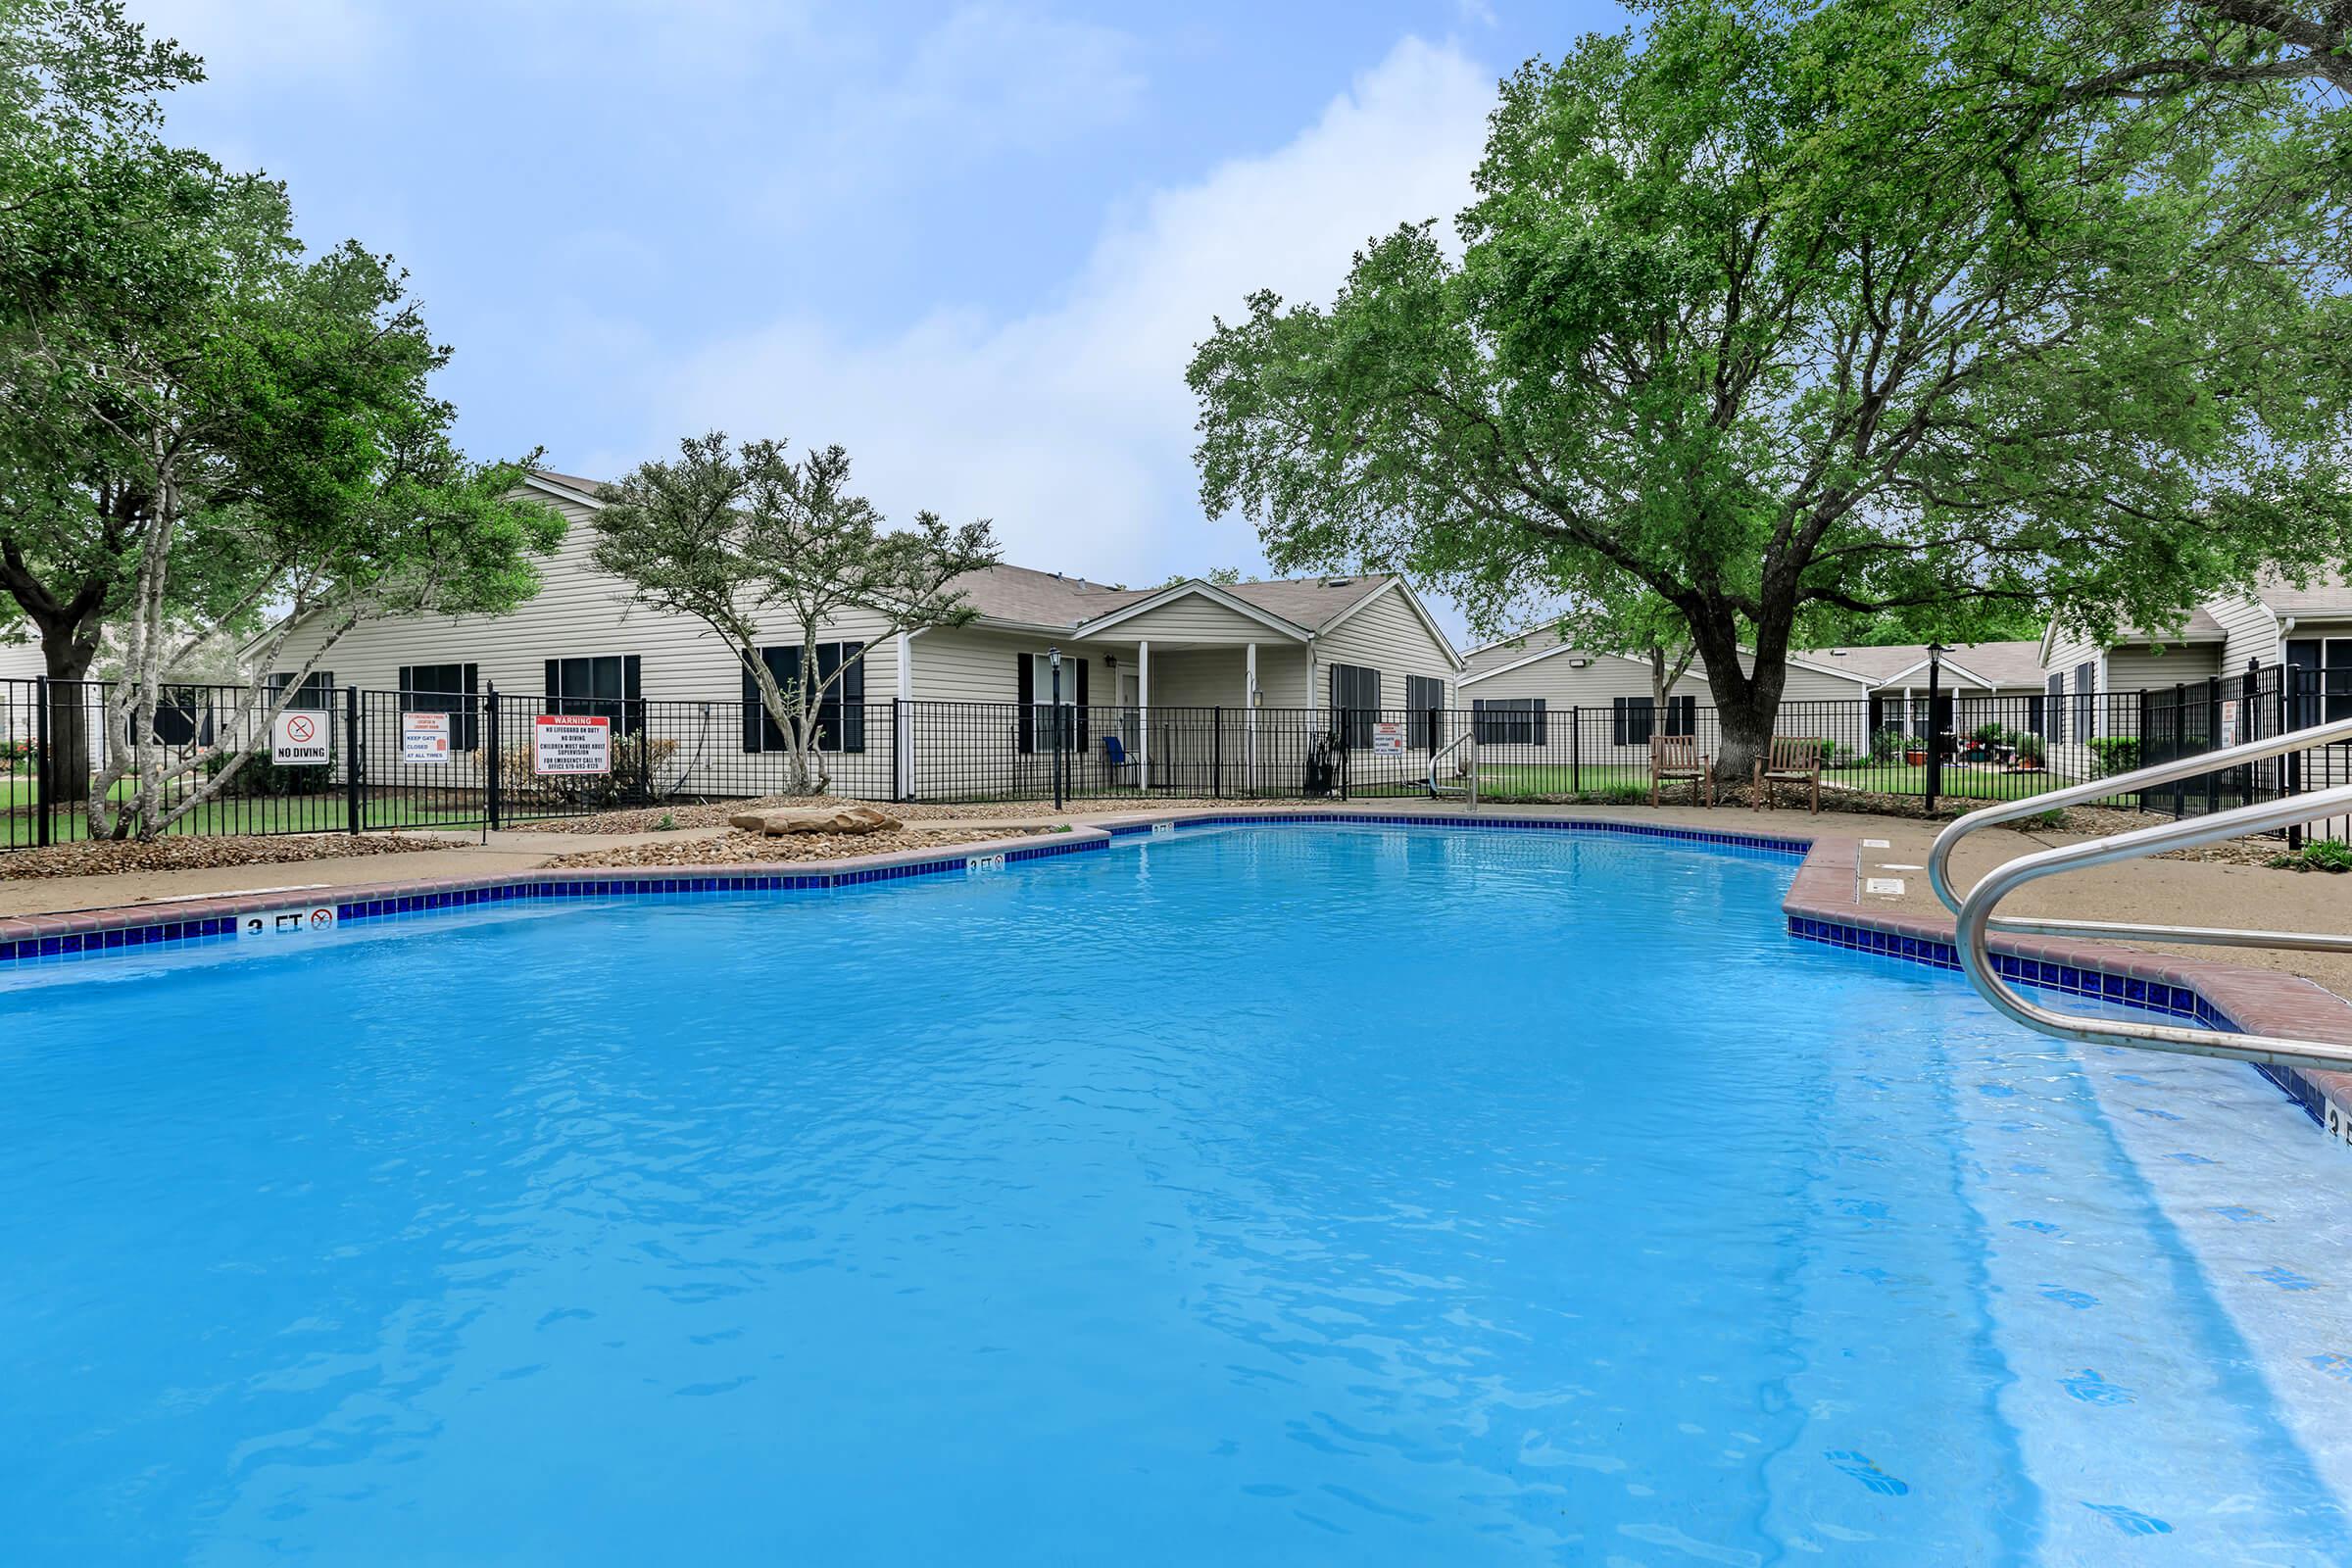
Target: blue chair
x,y
1115,757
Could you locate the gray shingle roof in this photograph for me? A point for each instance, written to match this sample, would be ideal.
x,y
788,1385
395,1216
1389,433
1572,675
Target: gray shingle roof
x,y
1035,598
2003,663
2330,594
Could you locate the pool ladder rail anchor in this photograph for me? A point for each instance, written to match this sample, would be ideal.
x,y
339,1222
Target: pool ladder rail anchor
x,y
1975,921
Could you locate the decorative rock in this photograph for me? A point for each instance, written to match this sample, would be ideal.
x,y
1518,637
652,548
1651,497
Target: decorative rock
x,y
815,819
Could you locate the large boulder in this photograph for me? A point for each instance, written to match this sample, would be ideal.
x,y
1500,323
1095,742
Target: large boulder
x,y
815,819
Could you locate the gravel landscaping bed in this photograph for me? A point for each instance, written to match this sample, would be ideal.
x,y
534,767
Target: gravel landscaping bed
x,y
103,856
739,848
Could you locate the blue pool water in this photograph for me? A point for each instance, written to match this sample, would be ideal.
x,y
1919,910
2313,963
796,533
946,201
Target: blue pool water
x,y
1258,1196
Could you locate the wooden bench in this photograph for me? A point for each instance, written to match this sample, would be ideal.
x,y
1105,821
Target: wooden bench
x,y
1790,760
1678,757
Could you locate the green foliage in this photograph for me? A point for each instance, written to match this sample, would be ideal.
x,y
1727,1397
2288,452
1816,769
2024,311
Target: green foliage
x,y
1786,317
1888,744
255,775
743,538
2114,753
2322,855
2029,747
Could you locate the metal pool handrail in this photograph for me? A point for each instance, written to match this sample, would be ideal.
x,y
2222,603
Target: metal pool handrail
x,y
1469,790
1939,858
1973,920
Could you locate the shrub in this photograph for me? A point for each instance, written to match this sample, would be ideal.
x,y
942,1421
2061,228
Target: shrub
x,y
1989,734
1888,744
15,755
2115,753
638,765
2323,855
259,776
2028,746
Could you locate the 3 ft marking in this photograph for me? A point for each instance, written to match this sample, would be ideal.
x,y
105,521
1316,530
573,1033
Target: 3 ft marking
x,y
1162,830
979,864
287,922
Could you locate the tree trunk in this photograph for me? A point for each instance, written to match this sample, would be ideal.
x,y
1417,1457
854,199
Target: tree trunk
x,y
65,767
1747,702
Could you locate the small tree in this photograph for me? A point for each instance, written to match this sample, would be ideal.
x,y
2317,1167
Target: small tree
x,y
737,539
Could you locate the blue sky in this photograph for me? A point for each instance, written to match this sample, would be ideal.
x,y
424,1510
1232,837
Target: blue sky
x,y
973,242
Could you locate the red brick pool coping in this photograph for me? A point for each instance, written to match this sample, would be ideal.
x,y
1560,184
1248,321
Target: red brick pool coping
x,y
1826,890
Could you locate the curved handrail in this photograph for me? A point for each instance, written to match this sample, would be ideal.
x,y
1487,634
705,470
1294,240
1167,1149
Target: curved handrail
x,y
1939,856
1971,932
1436,758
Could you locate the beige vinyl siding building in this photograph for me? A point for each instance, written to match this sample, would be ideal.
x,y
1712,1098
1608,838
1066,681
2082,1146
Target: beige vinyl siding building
x,y
1163,683
1599,707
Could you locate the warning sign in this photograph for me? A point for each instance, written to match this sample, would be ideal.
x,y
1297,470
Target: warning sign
x,y
424,737
571,745
298,738
1388,738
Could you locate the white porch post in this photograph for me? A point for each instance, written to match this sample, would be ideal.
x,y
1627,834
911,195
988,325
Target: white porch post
x,y
1142,714
904,746
1249,720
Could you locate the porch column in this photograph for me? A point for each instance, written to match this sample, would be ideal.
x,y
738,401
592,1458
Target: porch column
x,y
1249,717
1142,714
904,740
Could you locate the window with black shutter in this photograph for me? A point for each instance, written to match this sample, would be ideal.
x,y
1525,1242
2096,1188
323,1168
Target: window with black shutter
x,y
1355,699
1509,720
2087,710
317,689
445,689
1630,719
839,706
2057,708
1424,694
1681,715
601,686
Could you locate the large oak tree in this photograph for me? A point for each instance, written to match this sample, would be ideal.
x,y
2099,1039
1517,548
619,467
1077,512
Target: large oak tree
x,y
1784,317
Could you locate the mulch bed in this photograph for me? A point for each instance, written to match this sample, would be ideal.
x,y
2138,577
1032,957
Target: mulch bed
x,y
105,856
737,847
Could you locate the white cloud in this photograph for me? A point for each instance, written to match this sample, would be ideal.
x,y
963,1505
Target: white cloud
x,y
1072,425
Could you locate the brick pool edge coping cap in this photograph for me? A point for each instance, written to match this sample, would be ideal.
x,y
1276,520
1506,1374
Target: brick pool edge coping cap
x,y
1824,893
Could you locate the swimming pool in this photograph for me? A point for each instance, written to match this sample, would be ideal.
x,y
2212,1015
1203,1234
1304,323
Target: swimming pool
x,y
1263,1194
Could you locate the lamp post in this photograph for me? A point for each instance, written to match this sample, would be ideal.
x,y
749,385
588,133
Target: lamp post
x,y
1054,661
1936,653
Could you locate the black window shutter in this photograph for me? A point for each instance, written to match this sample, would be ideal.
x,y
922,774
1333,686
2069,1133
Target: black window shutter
x,y
1082,729
1024,696
632,714
755,717
1681,715
1619,725
1541,721
553,686
827,678
852,697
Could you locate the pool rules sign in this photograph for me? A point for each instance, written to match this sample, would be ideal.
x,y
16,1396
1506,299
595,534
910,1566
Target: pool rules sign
x,y
561,746
298,738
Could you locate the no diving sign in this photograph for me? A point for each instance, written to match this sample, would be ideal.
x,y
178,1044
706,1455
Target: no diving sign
x,y
298,738
571,745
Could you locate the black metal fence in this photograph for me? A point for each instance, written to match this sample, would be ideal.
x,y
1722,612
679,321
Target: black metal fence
x,y
378,759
